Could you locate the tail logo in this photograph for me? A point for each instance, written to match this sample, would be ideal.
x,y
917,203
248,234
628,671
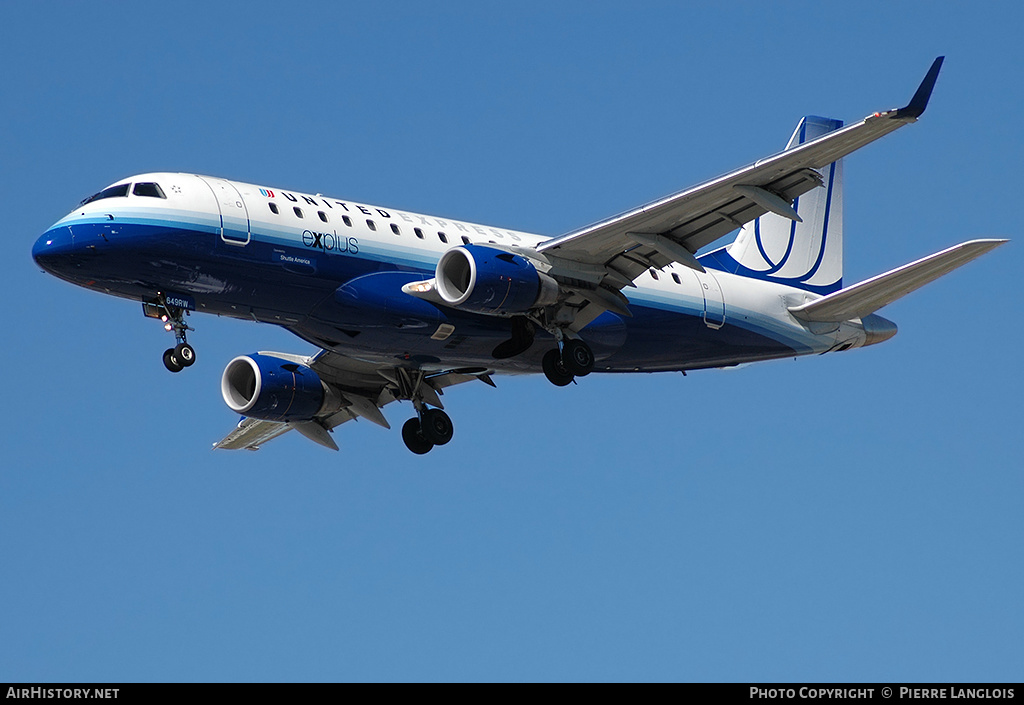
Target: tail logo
x,y
807,255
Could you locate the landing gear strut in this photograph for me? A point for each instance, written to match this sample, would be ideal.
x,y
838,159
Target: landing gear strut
x,y
574,359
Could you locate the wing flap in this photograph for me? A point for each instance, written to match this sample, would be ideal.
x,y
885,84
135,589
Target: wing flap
x,y
868,296
250,434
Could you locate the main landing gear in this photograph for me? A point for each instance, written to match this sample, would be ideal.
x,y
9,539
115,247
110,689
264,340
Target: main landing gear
x,y
431,426
573,358
182,355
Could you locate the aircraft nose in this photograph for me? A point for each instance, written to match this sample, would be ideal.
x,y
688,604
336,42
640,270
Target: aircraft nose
x,y
53,249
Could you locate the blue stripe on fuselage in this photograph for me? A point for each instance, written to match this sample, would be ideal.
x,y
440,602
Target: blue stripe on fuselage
x,y
276,274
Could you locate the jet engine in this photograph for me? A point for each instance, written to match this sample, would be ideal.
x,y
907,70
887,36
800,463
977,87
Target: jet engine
x,y
273,389
491,281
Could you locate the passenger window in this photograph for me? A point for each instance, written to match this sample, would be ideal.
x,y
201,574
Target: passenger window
x,y
112,192
298,211
144,188
443,237
371,225
348,221
465,240
654,274
419,233
395,230
323,216
675,278
273,208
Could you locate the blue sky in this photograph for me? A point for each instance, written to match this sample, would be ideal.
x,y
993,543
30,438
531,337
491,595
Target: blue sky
x,y
853,517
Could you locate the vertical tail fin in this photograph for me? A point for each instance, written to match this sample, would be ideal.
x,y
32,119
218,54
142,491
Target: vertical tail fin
x,y
807,255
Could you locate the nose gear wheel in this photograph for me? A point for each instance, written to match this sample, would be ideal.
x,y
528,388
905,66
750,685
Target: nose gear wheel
x,y
171,362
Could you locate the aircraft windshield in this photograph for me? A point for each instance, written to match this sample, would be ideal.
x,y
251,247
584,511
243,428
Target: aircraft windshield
x,y
148,188
112,192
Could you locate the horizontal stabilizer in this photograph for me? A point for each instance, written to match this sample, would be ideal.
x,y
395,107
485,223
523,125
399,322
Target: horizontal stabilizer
x,y
872,294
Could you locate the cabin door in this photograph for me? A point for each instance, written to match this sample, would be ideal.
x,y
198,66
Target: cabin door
x,y
714,302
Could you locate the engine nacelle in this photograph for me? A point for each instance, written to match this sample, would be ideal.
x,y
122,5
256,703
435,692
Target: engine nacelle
x,y
272,389
491,281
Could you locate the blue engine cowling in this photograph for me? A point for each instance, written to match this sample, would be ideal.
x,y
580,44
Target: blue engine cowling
x,y
272,389
491,281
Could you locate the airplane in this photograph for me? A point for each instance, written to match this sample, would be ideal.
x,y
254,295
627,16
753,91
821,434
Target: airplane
x,y
402,306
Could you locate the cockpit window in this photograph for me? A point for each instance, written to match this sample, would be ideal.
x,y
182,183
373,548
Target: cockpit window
x,y
148,188
112,192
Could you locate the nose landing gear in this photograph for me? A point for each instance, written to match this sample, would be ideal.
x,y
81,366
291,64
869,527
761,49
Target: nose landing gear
x,y
182,355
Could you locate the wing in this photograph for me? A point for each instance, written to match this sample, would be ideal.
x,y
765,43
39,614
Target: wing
x,y
673,228
361,390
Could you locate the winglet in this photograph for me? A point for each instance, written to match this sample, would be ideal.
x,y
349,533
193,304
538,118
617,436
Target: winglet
x,y
919,102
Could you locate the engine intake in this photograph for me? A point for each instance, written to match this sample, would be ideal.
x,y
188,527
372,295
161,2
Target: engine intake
x,y
272,389
491,281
